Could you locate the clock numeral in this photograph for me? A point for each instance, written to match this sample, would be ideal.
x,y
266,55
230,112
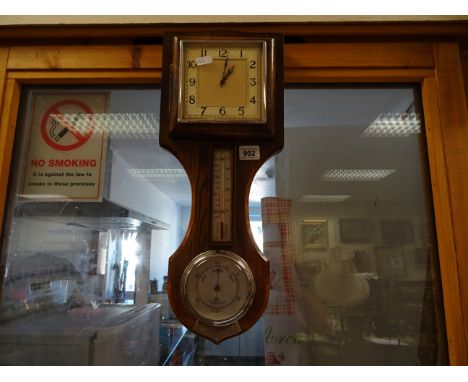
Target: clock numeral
x,y
241,53
253,100
222,53
253,64
222,110
191,99
192,81
203,110
203,52
241,110
253,81
192,64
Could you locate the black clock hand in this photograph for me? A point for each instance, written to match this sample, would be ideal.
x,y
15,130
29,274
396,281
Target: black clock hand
x,y
221,83
226,75
225,66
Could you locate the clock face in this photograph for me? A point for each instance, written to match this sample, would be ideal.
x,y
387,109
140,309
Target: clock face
x,y
222,81
218,287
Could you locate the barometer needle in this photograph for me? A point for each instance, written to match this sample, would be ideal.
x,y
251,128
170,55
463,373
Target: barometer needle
x,y
217,288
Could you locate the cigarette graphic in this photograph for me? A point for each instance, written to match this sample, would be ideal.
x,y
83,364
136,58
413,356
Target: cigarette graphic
x,y
61,134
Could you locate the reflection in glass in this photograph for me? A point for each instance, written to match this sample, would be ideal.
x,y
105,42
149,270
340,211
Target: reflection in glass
x,y
84,273
349,231
343,213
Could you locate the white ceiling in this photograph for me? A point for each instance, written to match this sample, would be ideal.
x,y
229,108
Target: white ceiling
x,y
323,128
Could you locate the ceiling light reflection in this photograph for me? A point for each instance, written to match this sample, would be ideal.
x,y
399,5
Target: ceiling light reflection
x,y
324,198
394,125
116,125
355,175
158,173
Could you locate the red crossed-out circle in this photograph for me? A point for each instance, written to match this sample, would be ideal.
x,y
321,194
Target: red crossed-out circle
x,y
80,138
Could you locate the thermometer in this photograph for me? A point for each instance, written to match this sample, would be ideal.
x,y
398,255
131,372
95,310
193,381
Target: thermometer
x,y
221,195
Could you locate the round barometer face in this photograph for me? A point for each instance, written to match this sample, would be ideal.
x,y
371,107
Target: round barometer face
x,y
218,287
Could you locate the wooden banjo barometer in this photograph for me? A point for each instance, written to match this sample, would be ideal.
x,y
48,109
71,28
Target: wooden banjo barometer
x,y
222,117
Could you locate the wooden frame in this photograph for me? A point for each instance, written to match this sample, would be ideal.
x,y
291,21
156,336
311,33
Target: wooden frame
x,y
433,64
273,60
314,234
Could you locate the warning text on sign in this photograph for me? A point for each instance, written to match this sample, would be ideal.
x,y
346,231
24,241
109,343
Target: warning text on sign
x,y
66,156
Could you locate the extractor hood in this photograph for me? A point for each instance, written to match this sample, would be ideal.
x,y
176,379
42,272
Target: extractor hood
x,y
90,215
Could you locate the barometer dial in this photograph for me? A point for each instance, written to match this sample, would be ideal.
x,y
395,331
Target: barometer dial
x,y
218,287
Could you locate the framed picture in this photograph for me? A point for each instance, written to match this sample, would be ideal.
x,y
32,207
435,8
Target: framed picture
x,y
390,261
355,230
315,234
397,232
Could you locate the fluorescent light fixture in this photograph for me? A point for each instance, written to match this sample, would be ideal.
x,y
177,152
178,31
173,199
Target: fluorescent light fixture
x,y
324,198
158,173
394,125
354,175
44,196
117,125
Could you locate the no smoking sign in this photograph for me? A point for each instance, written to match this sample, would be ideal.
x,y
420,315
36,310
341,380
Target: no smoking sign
x,y
67,147
67,125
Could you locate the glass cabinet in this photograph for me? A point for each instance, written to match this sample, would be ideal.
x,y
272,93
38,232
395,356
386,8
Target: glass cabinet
x,y
343,213
361,215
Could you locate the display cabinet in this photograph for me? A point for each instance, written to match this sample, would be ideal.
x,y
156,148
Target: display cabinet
x,y
423,55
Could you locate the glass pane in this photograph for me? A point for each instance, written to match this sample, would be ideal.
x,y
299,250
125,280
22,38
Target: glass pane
x,y
88,234
346,219
96,208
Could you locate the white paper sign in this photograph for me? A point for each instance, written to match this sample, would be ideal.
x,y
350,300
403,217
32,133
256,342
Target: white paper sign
x,y
249,152
67,148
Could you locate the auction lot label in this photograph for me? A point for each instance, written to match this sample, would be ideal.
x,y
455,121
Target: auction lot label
x,y
67,147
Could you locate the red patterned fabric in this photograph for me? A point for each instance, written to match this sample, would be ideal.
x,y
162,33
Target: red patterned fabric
x,y
278,247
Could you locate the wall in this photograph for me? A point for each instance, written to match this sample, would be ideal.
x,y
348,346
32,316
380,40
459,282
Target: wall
x,y
144,197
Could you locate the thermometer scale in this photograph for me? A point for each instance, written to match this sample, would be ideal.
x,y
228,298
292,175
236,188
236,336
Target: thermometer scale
x,y
221,194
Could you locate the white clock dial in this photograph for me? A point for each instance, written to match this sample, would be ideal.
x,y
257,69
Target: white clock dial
x,y
222,81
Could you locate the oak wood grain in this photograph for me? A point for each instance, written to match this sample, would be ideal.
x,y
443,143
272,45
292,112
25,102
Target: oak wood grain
x,y
85,57
464,63
303,75
345,55
454,123
443,215
297,56
4,51
7,133
141,76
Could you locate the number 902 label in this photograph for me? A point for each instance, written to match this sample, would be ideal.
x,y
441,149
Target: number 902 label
x,y
249,152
